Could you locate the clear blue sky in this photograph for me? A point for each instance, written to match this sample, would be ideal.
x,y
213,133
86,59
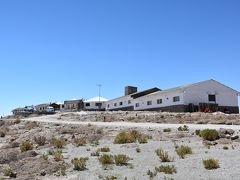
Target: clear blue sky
x,y
52,50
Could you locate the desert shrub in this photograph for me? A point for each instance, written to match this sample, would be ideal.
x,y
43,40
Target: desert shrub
x,y
105,149
17,120
138,150
79,164
151,174
50,152
198,132
163,155
143,139
31,125
135,134
2,134
210,164
182,151
80,141
209,134
26,146
58,155
40,140
183,128
124,137
7,172
225,148
95,153
129,137
106,159
44,157
167,130
58,143
121,160
167,169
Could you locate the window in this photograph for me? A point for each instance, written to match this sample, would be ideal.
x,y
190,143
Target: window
x,y
129,102
98,104
149,103
137,105
159,101
87,104
108,105
176,98
115,104
121,103
212,98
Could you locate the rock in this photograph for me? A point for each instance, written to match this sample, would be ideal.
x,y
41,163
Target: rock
x,y
225,133
14,144
27,155
13,175
230,131
8,155
234,137
228,136
43,173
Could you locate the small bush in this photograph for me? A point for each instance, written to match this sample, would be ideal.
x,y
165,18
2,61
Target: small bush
x,y
7,172
44,157
225,148
124,137
167,130
80,141
143,139
106,159
17,121
163,155
166,169
151,174
26,146
95,153
58,155
182,151
198,132
59,143
210,164
50,152
79,164
138,150
104,149
121,160
209,134
184,128
41,140
130,137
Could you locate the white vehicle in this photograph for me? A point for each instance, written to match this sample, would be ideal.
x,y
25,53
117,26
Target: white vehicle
x,y
50,109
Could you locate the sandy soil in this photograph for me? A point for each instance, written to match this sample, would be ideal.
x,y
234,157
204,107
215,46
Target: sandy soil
x,y
92,127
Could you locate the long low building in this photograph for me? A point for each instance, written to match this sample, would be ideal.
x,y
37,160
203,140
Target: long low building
x,y
205,96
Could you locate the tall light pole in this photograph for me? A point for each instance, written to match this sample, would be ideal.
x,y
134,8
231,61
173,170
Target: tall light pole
x,y
99,95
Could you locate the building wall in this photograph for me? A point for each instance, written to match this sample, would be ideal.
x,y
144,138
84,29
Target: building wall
x,y
124,100
75,105
199,94
167,101
93,105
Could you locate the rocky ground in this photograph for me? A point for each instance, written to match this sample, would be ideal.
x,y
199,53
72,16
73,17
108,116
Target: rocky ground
x,y
34,150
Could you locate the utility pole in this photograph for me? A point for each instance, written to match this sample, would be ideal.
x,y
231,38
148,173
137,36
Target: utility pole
x,y
99,95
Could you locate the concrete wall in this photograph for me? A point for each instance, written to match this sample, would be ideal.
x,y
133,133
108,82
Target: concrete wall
x,y
167,100
199,94
93,105
124,100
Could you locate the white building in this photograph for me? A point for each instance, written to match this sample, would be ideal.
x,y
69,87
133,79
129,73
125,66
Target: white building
x,y
96,103
126,103
206,96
